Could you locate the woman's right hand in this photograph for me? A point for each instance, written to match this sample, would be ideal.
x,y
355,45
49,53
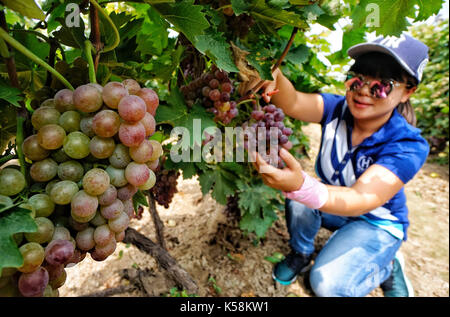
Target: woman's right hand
x,y
267,86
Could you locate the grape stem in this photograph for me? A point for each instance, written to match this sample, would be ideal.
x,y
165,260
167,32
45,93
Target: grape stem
x,y
15,44
113,26
88,52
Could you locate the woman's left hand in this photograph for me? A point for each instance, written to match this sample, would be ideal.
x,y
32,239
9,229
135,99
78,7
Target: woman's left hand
x,y
288,179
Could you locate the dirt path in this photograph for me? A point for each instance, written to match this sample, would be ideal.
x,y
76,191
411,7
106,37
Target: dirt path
x,y
225,263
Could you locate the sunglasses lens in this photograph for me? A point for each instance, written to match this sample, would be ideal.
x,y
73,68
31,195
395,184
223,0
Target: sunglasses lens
x,y
353,83
380,89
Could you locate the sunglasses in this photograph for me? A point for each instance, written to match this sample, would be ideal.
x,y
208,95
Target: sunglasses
x,y
378,88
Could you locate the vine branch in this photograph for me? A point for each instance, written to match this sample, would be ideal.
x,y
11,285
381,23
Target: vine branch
x,y
156,220
113,26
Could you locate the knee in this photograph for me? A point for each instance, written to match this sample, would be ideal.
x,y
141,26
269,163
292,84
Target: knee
x,y
325,283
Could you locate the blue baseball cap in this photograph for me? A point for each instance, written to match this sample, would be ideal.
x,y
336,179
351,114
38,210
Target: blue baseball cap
x,y
409,52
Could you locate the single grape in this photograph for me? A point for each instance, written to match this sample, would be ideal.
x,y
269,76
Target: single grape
x,y
137,174
84,205
32,150
85,239
271,108
214,83
142,153
131,134
63,192
59,251
12,181
157,150
43,116
43,204
227,87
61,233
149,124
60,156
128,208
48,103
70,121
60,280
51,136
43,171
96,181
150,98
71,171
109,196
287,131
106,123
120,157
33,255
150,182
44,233
33,284
113,92
5,201
98,220
119,223
214,95
132,108
103,251
119,236
283,139
257,115
87,98
103,235
116,176
127,192
76,145
86,126
102,148
113,210
205,91
225,96
153,165
132,86
64,100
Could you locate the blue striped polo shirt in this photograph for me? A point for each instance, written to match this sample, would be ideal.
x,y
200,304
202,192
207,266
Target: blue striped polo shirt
x,y
397,145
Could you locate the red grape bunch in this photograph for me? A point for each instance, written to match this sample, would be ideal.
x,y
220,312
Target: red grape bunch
x,y
262,120
90,153
214,90
166,186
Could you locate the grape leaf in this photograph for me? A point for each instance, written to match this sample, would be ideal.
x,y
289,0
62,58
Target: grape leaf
x,y
392,15
11,222
176,114
10,94
240,6
139,199
279,17
152,37
258,225
428,8
71,36
214,45
223,186
298,55
27,8
185,16
300,2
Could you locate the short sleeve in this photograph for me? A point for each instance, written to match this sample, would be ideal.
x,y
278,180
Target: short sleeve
x,y
330,106
405,158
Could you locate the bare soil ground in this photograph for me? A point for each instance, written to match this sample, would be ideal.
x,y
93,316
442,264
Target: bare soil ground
x,y
224,262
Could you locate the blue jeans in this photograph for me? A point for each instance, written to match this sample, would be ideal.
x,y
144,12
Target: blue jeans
x,y
355,260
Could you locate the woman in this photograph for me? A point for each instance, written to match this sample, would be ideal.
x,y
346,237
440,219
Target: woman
x,y
369,151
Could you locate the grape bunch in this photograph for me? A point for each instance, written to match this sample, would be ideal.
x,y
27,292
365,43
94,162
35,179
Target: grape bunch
x,y
213,89
90,153
166,186
259,126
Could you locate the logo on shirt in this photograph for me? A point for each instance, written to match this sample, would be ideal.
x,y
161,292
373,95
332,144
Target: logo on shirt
x,y
363,163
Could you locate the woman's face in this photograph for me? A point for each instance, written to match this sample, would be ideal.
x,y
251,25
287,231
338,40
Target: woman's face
x,y
364,106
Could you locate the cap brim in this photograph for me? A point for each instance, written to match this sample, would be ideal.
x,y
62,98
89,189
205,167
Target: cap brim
x,y
363,48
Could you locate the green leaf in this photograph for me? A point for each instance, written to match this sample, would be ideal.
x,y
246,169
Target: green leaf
x,y
139,199
11,222
214,45
300,2
428,8
223,187
153,35
71,36
185,16
27,8
10,94
206,180
240,6
279,17
388,16
257,224
298,55
176,113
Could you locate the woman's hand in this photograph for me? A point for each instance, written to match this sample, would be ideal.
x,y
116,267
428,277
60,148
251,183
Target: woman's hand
x,y
287,179
268,86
